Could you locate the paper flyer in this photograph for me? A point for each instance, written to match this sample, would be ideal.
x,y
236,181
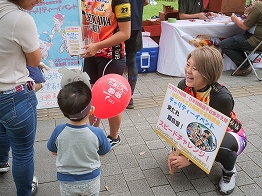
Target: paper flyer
x,y
74,40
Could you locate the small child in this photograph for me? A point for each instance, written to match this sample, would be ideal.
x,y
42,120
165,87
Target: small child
x,y
76,144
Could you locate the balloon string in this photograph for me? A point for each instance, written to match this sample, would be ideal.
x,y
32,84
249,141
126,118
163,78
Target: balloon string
x,y
106,66
95,120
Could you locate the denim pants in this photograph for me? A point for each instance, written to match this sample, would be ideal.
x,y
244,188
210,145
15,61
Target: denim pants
x,y
233,46
18,121
81,188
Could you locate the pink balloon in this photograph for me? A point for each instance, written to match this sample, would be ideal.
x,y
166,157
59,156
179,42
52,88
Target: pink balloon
x,y
110,95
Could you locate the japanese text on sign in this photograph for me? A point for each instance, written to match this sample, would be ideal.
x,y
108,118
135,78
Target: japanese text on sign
x,y
191,126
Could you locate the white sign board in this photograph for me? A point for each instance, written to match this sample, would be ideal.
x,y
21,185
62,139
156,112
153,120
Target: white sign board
x,y
191,126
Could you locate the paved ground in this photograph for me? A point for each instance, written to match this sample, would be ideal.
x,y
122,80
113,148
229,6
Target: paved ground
x,y
138,166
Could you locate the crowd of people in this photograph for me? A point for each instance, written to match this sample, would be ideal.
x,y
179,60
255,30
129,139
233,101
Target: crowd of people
x,y
115,50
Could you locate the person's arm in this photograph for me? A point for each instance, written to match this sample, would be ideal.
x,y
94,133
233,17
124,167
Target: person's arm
x,y
185,13
252,17
104,144
33,58
28,39
122,35
201,15
146,2
51,146
239,22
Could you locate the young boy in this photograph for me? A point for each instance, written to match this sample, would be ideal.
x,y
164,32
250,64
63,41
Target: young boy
x,y
76,144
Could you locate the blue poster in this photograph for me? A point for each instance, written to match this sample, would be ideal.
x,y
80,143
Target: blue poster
x,y
51,18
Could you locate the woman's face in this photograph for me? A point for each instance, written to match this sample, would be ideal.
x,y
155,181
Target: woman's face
x,y
193,78
29,4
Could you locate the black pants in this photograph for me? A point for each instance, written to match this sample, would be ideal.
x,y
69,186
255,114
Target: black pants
x,y
233,48
227,153
132,45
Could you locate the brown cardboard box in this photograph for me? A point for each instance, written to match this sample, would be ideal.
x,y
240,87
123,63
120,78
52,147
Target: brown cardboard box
x,y
227,6
167,8
166,15
152,26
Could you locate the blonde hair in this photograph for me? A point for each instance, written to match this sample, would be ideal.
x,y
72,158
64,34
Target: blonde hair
x,y
208,62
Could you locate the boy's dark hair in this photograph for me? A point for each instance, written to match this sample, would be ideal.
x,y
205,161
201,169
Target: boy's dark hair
x,y
74,100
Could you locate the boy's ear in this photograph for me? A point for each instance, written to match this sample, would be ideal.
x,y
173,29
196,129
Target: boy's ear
x,y
92,110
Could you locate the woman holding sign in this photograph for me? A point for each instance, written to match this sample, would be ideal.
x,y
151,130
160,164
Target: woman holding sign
x,y
203,69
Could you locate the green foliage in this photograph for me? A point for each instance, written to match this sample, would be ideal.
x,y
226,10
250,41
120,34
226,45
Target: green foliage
x,y
248,2
153,9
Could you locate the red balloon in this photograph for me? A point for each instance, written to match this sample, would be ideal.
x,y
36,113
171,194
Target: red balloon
x,y
110,95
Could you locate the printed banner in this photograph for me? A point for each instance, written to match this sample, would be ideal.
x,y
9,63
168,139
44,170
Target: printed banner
x,y
51,18
191,126
47,97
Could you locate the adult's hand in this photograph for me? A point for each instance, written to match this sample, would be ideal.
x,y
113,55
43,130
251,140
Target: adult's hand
x,y
234,18
211,14
177,161
90,50
239,22
202,15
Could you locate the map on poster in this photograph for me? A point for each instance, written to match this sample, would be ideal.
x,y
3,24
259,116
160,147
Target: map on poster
x,y
191,126
51,18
